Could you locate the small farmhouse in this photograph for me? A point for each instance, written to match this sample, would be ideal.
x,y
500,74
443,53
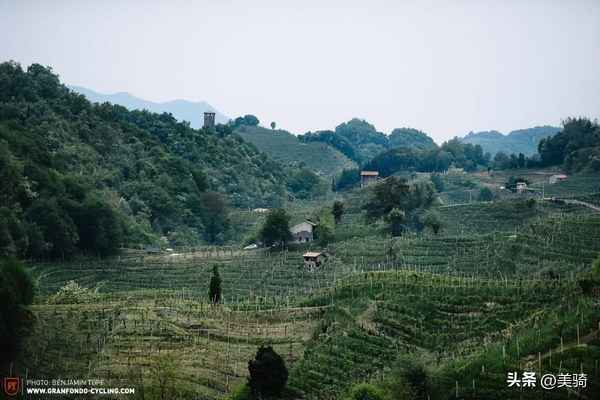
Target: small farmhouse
x,y
313,260
303,232
368,177
557,178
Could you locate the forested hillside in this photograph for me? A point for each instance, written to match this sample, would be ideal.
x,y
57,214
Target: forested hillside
x,y
78,177
576,146
520,141
361,142
410,138
453,152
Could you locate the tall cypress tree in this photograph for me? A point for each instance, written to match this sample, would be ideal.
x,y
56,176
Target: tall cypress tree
x,y
214,290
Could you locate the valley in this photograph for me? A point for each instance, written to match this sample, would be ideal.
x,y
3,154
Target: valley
x,y
146,253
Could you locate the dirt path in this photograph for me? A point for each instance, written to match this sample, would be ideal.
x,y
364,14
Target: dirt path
x,y
581,203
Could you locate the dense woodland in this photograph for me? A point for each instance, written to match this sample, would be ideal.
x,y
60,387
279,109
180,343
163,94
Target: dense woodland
x,y
68,165
576,146
360,141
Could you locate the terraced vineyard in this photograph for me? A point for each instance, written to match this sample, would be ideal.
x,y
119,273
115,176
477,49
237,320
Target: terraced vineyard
x,y
575,185
454,301
286,148
381,316
499,215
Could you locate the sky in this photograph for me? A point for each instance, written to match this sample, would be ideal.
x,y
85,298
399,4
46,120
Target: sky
x,y
445,67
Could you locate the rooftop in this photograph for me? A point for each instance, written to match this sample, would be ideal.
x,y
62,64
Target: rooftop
x,y
311,254
369,173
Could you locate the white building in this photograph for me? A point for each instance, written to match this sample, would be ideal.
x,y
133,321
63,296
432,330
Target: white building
x,y
303,232
557,178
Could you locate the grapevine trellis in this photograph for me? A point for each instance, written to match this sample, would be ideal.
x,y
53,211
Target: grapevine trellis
x,y
451,298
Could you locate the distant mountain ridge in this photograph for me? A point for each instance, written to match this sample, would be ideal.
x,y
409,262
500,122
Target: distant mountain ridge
x,y
518,141
182,110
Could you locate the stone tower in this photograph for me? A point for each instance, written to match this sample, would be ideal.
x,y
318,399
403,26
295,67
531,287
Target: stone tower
x,y
209,120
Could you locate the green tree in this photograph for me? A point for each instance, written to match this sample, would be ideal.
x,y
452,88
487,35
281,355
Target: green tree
x,y
486,194
596,269
268,373
438,182
569,145
347,179
416,376
58,228
99,228
395,218
365,391
276,229
324,234
521,162
411,138
215,217
501,160
395,192
337,210
305,183
214,288
200,179
392,193
16,291
251,120
433,221
273,125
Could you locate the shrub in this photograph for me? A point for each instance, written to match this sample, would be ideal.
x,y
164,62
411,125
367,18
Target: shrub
x,y
365,391
586,285
241,392
268,373
73,293
433,221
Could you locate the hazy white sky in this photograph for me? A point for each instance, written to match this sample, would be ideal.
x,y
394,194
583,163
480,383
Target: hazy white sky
x,y
445,67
